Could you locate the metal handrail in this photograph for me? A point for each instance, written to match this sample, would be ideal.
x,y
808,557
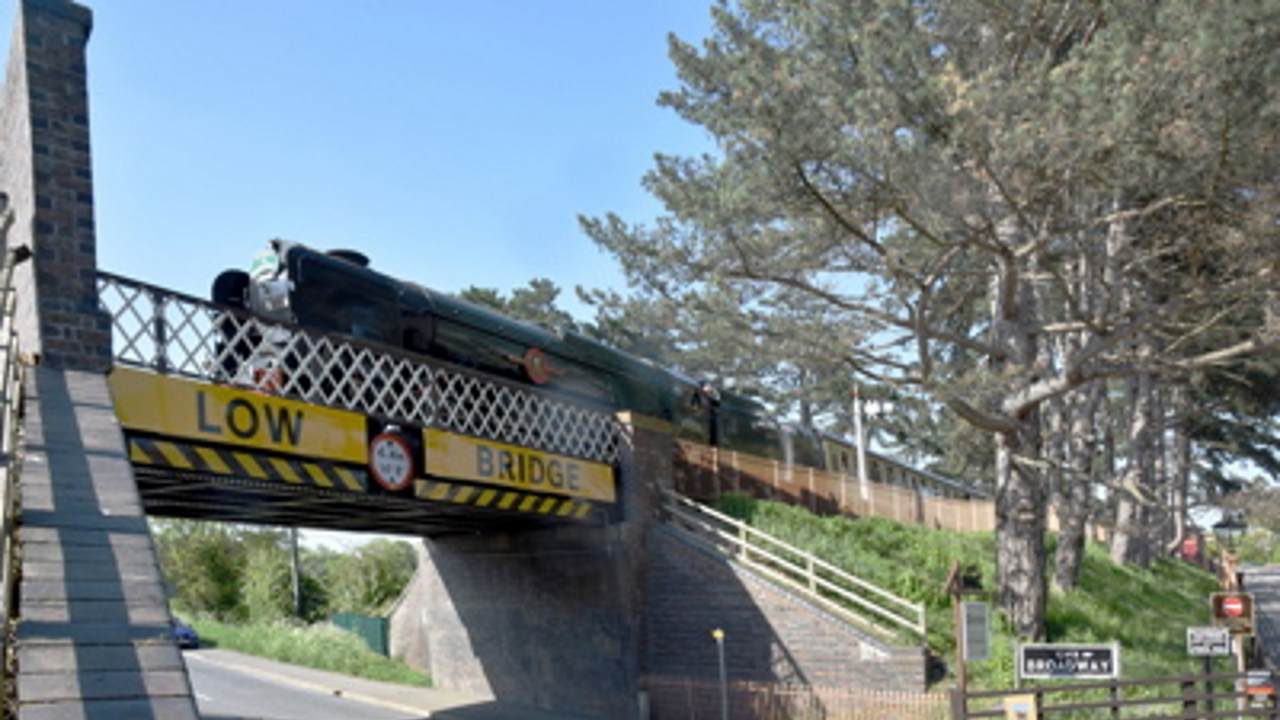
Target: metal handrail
x,y
817,578
11,372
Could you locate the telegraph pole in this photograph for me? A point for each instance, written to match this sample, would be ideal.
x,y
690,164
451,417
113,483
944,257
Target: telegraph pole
x,y
295,572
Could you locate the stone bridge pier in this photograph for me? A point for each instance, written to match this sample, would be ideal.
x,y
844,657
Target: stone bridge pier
x,y
553,618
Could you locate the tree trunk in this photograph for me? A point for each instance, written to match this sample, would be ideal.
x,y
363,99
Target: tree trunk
x,y
1020,526
1075,501
1180,467
1131,543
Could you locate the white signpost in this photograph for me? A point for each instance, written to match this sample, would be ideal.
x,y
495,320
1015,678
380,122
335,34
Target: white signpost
x,y
1208,642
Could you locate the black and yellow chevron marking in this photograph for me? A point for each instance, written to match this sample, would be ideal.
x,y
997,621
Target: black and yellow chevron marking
x,y
501,499
239,463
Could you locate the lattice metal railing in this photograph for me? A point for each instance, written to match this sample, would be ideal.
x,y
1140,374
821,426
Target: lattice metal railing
x,y
177,334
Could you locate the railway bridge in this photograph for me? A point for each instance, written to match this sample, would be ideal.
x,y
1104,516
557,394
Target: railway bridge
x,y
557,567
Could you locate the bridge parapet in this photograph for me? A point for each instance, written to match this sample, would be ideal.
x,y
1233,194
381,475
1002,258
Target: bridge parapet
x,y
171,333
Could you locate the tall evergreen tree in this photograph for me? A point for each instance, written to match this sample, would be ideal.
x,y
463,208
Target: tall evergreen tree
x,y
902,184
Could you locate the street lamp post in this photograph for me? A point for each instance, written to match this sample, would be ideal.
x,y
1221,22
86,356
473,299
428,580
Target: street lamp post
x,y
718,635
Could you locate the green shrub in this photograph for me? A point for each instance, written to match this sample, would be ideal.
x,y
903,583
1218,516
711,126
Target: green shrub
x,y
321,646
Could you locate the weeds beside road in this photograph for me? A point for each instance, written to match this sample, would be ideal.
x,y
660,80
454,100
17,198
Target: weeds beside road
x,y
319,646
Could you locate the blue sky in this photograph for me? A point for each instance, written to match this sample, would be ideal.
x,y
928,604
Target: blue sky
x,y
453,142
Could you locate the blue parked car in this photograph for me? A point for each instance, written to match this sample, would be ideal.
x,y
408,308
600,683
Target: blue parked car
x,y
185,635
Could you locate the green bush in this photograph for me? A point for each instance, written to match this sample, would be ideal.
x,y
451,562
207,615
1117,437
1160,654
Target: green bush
x,y
321,646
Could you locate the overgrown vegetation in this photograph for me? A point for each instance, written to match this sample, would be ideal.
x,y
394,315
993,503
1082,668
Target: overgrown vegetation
x,y
321,646
238,573
1145,610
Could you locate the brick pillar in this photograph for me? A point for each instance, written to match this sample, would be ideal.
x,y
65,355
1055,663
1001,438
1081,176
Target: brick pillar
x,y
45,168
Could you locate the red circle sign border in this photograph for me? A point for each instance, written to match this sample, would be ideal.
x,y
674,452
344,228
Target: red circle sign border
x,y
373,468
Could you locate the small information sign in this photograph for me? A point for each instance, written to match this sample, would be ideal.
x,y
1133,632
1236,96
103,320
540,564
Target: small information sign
x,y
977,631
1081,662
1208,642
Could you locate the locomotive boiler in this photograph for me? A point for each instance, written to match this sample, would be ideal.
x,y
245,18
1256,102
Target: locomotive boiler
x,y
338,292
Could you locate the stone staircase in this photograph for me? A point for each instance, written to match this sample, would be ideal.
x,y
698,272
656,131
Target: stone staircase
x,y
93,636
774,631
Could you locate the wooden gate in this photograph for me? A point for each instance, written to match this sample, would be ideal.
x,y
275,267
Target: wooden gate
x,y
1184,697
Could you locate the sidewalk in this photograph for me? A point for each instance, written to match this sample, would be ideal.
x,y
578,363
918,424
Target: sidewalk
x,y
434,703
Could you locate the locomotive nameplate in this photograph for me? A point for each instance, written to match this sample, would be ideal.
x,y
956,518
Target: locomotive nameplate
x,y
151,403
484,461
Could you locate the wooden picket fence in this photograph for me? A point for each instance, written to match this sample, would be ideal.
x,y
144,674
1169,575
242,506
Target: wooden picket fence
x,y
705,473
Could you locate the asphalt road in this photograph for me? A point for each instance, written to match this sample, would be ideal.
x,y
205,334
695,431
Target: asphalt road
x,y
224,693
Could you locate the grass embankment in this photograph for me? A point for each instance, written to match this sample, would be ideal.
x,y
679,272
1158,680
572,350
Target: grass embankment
x,y
320,646
1146,611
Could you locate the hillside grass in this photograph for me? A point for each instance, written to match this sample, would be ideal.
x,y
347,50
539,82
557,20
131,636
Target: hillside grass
x,y
321,646
1146,611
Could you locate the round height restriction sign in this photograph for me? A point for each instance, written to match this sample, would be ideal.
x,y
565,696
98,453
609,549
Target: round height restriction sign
x,y
391,461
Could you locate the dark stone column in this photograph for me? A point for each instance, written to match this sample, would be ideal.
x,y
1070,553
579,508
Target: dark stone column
x,y
46,170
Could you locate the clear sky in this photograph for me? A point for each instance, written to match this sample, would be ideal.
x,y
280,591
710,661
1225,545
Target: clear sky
x,y
453,142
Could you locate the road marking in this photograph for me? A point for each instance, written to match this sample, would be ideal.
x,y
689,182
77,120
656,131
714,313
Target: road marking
x,y
316,687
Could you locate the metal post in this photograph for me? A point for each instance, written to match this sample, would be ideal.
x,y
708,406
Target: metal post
x,y
718,635
962,679
159,332
861,444
1242,683
1208,684
1017,667
1115,700
295,572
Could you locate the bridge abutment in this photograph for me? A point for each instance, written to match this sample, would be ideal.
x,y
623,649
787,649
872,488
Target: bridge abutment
x,y
553,618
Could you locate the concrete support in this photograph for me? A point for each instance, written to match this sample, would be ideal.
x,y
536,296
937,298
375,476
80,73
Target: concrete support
x,y
553,618
45,168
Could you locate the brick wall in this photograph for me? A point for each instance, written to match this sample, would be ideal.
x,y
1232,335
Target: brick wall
x,y
45,168
553,618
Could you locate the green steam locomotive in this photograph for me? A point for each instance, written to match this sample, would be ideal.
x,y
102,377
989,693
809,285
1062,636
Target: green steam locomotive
x,y
337,292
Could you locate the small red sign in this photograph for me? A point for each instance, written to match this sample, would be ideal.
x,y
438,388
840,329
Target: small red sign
x,y
1233,606
1191,548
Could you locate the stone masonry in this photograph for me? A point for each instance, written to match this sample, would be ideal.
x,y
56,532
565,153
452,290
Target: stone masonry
x,y
771,633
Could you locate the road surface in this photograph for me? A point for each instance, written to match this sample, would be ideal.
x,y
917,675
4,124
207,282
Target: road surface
x,y
224,692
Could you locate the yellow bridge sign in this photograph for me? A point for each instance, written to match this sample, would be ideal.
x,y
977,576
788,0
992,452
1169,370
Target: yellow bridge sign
x,y
163,405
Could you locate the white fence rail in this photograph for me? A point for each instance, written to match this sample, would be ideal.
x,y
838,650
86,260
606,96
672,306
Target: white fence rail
x,y
855,600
